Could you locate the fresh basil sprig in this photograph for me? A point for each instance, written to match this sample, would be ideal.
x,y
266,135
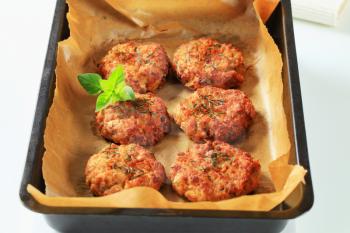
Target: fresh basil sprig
x,y
110,91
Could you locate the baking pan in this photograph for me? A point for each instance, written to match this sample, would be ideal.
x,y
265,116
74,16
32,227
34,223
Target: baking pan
x,y
71,219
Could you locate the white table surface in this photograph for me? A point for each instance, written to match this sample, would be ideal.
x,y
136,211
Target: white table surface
x,y
324,64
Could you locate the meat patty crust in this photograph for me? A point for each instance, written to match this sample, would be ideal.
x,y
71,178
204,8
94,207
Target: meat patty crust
x,y
206,62
143,121
145,64
215,114
121,167
214,171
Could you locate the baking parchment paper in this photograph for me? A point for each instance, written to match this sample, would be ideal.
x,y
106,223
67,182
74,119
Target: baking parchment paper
x,y
95,26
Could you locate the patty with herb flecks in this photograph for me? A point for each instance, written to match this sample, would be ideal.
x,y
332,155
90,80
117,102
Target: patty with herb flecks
x,y
207,62
145,64
214,171
143,121
212,113
121,167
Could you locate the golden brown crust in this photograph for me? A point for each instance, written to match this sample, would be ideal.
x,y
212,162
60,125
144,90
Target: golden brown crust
x,y
145,64
121,167
144,121
215,114
206,62
214,171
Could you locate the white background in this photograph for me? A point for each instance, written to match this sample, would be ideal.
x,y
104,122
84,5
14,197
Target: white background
x,y
324,64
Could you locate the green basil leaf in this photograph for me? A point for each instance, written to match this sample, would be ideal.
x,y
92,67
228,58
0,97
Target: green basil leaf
x,y
115,97
103,100
106,86
111,90
127,93
116,77
90,82
120,87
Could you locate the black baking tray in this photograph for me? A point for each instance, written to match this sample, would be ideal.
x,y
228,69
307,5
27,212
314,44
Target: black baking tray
x,y
65,219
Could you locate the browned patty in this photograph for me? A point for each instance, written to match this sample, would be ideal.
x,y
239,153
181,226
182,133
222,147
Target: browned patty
x,y
143,121
206,62
121,167
215,114
145,64
214,171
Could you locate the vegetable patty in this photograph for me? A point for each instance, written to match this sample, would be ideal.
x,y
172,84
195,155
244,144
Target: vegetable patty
x,y
143,121
214,171
145,64
206,62
121,167
215,114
